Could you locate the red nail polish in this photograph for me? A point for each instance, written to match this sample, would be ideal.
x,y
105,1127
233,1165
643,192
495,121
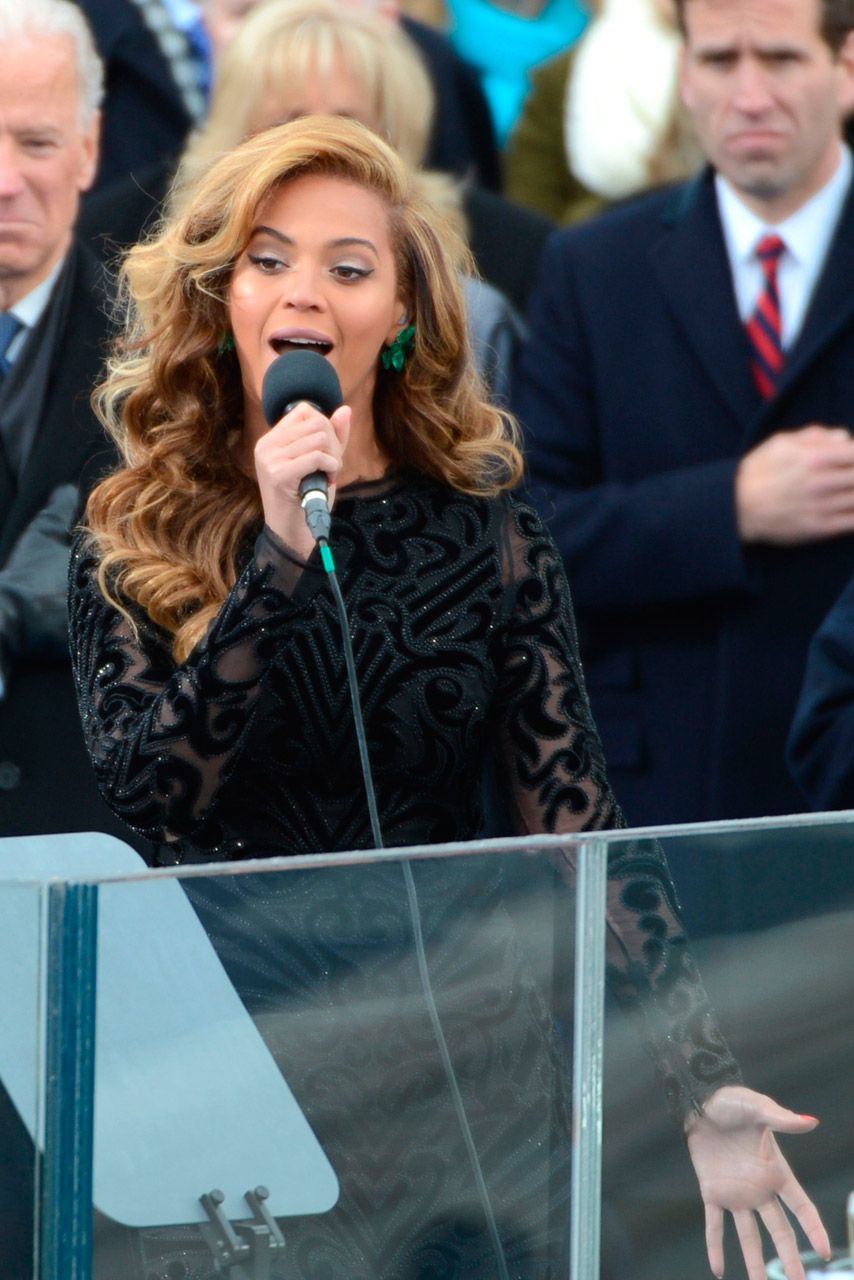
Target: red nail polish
x,y
814,1119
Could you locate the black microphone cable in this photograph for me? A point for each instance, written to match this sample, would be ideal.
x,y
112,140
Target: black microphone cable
x,y
328,560
415,916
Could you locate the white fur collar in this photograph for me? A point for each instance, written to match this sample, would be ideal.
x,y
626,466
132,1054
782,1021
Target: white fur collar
x,y
621,97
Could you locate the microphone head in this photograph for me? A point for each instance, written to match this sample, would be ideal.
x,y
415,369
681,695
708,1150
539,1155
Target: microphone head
x,y
300,375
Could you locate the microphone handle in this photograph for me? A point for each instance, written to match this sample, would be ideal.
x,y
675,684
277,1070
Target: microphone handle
x,y
318,481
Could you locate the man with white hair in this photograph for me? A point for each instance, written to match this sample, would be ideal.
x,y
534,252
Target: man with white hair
x,y
53,327
52,330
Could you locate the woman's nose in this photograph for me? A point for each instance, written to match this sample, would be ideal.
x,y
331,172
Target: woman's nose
x,y
301,289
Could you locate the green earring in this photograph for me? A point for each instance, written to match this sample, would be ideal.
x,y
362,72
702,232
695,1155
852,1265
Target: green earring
x,y
226,343
396,354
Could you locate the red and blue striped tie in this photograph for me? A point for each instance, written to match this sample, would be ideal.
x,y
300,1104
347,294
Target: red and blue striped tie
x,y
764,328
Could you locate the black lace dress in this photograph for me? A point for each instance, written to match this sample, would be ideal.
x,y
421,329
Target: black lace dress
x,y
465,648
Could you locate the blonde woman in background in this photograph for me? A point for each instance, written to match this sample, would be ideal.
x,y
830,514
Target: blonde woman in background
x,y
287,55
463,138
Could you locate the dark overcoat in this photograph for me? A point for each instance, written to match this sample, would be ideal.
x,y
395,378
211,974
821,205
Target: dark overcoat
x,y
638,402
46,781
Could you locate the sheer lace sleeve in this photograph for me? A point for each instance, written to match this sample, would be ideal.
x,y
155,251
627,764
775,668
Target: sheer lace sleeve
x,y
164,738
553,763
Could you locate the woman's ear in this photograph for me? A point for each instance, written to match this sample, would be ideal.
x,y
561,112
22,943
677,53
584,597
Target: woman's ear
x,y
400,323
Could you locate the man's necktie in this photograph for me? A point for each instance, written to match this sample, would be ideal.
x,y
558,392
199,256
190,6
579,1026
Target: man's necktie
x,y
9,327
764,327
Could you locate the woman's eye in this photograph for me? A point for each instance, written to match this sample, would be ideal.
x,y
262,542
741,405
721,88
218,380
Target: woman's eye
x,y
346,272
264,262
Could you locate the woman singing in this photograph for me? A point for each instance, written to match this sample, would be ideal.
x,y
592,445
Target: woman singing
x,y
208,651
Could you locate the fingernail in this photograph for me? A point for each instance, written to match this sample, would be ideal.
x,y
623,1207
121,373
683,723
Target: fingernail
x,y
814,1119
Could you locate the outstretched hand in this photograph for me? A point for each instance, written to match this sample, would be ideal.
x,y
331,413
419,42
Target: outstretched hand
x,y
741,1170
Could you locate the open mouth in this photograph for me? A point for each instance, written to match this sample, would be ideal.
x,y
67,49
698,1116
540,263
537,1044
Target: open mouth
x,y
281,345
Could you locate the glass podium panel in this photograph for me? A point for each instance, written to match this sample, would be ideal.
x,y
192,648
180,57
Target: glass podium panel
x,y
389,1065
382,1043
770,909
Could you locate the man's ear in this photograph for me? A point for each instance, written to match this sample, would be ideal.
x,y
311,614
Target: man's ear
x,y
91,152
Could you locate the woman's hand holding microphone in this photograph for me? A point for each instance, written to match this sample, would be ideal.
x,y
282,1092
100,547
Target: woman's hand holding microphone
x,y
300,443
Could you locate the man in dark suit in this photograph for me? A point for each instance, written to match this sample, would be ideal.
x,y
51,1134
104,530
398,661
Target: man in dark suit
x,y
52,332
689,403
821,746
53,328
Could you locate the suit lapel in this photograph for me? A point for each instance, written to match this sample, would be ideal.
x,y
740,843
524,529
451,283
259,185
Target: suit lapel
x,y
692,269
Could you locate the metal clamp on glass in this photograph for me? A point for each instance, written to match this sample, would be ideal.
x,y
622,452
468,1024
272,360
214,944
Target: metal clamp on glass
x,y
242,1250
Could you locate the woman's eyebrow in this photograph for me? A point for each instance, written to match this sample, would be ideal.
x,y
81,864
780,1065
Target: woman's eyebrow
x,y
271,231
339,243
343,241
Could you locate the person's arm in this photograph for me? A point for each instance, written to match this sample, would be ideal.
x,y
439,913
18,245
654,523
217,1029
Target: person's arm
x,y
164,738
821,745
553,763
33,613
669,537
554,768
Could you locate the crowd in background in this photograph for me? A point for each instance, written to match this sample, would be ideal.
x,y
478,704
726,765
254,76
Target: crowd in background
x,y
653,226
522,116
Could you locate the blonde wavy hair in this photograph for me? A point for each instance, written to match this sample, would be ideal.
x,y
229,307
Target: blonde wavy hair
x,y
173,523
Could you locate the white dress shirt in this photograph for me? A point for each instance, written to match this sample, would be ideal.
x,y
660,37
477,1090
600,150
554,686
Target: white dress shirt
x,y
807,234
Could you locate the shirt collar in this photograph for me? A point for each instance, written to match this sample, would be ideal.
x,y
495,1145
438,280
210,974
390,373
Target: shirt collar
x,y
806,232
30,308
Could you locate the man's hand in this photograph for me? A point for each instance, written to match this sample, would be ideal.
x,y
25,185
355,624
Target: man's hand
x,y
797,486
741,1170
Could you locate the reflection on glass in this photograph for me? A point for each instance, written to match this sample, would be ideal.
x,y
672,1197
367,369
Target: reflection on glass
x,y
324,961
775,954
